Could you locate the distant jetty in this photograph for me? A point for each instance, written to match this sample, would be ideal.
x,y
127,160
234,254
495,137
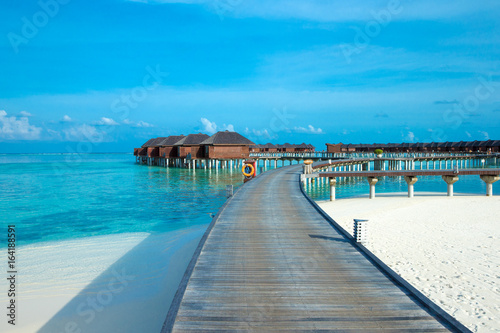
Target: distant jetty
x,y
224,149
488,146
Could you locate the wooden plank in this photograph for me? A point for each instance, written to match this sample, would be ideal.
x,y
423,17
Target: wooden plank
x,y
272,262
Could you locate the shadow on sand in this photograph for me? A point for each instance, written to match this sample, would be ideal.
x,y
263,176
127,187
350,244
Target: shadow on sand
x,y
133,294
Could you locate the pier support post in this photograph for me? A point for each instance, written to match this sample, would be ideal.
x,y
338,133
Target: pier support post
x,y
450,180
410,180
489,180
333,184
372,181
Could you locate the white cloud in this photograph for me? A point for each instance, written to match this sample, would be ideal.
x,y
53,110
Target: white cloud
x,y
310,130
143,124
54,135
264,133
259,134
208,126
106,122
84,133
66,119
211,127
485,134
138,124
25,114
13,128
409,137
468,134
229,128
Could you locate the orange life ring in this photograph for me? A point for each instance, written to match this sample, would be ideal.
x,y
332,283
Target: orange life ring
x,y
248,174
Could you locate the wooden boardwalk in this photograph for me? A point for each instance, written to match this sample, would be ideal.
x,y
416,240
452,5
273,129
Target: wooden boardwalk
x,y
271,262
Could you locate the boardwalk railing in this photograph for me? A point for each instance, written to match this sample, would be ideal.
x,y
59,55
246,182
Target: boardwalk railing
x,y
326,155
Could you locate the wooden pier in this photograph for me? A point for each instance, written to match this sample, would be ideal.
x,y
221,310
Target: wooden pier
x,y
273,261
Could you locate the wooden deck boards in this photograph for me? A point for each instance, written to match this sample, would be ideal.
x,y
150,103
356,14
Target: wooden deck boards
x,y
271,262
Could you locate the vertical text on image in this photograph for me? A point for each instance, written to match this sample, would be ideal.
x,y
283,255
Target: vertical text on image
x,y
11,274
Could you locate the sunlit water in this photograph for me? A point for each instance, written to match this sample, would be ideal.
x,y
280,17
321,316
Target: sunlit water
x,y
58,197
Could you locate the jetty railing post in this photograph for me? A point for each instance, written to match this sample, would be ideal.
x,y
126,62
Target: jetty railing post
x,y
229,191
333,184
372,181
450,180
489,180
410,180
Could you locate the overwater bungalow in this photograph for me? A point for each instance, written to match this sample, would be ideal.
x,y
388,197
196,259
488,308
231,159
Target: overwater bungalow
x,y
270,148
153,147
226,145
143,150
167,147
190,146
444,147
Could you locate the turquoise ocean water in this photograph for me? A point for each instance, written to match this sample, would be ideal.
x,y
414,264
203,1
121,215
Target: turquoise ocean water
x,y
56,196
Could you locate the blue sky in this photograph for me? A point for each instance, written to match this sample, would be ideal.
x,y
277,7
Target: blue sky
x,y
80,76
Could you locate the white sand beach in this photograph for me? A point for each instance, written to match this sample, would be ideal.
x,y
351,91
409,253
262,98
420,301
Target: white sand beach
x,y
114,283
446,247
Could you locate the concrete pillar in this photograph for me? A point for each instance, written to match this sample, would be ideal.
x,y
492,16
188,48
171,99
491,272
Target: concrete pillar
x,y
489,180
333,184
450,180
410,180
372,181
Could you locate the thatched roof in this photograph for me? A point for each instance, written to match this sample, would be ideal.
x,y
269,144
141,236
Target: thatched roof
x,y
148,143
192,139
227,138
171,140
432,145
153,142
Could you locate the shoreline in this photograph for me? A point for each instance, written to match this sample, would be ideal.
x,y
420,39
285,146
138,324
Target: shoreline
x,y
445,247
121,282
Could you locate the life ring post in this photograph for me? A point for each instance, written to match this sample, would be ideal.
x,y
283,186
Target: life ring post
x,y
249,170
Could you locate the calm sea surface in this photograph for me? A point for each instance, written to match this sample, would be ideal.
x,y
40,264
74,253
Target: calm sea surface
x,y
56,197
